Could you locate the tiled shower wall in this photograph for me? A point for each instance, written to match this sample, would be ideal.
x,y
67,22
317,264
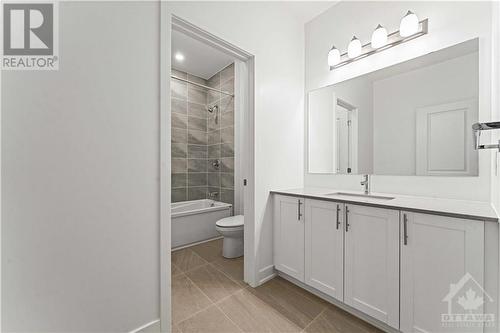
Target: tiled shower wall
x,y
199,138
221,135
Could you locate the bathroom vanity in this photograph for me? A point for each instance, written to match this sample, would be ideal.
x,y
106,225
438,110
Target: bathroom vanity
x,y
390,259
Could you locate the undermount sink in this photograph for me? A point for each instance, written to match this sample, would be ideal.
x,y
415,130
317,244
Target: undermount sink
x,y
360,195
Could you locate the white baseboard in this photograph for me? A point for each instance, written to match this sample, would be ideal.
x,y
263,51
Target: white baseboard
x,y
151,327
196,243
265,274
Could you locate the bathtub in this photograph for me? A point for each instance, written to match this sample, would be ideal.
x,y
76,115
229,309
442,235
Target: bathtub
x,y
194,221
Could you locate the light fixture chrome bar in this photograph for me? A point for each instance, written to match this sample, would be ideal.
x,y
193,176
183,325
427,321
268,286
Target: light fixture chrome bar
x,y
393,39
201,85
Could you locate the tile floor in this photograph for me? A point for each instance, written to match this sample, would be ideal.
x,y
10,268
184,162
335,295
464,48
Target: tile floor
x,y
209,295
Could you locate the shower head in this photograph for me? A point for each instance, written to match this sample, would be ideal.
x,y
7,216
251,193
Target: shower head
x,y
213,108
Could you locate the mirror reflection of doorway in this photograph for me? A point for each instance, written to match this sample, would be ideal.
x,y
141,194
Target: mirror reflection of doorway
x,y
346,124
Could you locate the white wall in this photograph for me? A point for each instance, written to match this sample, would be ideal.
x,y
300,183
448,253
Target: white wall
x,y
276,39
395,100
80,177
449,23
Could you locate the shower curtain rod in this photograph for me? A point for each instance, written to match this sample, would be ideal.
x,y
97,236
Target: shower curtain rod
x,y
201,85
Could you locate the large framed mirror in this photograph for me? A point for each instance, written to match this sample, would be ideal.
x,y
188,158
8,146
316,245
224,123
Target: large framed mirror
x,y
413,118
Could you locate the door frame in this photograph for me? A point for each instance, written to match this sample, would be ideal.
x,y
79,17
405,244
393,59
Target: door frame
x,y
244,148
353,115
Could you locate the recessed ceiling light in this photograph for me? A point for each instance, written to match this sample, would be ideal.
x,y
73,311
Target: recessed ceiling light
x,y
179,56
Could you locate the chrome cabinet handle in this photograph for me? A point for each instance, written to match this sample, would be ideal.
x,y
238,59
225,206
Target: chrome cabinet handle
x,y
299,214
346,219
405,229
338,218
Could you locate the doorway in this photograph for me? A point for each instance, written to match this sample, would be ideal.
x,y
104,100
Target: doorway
x,y
346,122
225,121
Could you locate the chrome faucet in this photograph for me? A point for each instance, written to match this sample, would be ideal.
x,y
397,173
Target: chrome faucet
x,y
212,195
366,183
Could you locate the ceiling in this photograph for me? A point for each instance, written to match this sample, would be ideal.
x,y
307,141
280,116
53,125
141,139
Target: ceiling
x,y
199,58
305,11
205,61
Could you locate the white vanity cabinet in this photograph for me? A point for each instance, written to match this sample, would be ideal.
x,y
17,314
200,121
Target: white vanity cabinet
x,y
436,252
372,262
324,247
394,266
289,235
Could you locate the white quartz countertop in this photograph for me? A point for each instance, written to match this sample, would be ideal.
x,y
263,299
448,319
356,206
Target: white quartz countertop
x,y
475,210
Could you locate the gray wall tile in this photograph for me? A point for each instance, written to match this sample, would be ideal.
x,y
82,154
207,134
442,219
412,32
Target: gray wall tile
x,y
196,193
214,137
179,180
197,165
179,165
178,89
227,165
199,124
227,196
227,119
227,104
214,81
191,122
227,86
197,137
179,106
213,179
213,97
197,151
214,151
179,135
227,135
227,180
179,120
179,150
179,194
197,110
197,179
196,94
227,150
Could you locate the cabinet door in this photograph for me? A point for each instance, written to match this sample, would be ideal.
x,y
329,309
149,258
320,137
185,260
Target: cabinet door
x,y
436,252
324,245
372,262
289,236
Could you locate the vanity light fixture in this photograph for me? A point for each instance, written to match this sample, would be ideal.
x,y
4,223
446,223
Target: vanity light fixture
x,y
410,28
354,48
333,56
379,37
409,24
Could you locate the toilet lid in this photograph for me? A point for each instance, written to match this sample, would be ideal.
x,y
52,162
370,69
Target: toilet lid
x,y
231,221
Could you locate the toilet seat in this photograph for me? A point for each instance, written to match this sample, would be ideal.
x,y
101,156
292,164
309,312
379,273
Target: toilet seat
x,y
232,222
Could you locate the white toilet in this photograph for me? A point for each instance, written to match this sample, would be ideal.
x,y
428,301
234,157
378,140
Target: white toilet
x,y
231,228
